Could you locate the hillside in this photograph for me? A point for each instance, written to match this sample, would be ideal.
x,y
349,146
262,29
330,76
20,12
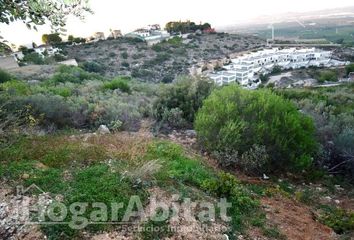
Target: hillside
x,y
162,62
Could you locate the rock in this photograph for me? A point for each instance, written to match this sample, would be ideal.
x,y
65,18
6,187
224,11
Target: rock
x,y
328,198
25,176
265,177
191,133
103,129
87,136
33,82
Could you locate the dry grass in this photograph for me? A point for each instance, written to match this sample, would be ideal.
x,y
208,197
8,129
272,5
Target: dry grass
x,y
125,146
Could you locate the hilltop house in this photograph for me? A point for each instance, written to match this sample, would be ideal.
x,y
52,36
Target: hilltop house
x,y
96,37
46,49
152,34
18,55
249,67
115,34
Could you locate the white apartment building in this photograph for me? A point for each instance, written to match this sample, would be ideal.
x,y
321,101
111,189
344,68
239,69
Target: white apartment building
x,y
247,69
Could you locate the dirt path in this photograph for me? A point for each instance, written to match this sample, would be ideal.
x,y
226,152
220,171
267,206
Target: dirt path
x,y
295,220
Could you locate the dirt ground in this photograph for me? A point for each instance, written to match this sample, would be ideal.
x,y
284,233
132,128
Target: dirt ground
x,y
295,220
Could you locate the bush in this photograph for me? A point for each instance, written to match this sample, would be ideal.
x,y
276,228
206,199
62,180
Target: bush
x,y
332,110
50,110
33,58
5,76
174,118
327,76
254,160
263,78
234,118
276,69
113,109
349,68
184,97
15,87
72,74
93,67
243,205
125,64
338,219
118,83
124,55
61,91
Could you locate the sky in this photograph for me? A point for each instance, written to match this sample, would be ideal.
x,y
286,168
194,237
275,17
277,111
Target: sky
x,y
132,14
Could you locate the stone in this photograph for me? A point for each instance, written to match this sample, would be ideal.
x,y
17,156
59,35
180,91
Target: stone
x,y
328,198
103,129
265,177
25,176
33,82
191,133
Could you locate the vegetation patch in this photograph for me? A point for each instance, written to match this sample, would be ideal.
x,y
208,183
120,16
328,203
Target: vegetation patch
x,y
256,117
118,83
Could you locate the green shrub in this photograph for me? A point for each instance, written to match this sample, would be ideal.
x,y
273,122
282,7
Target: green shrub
x,y
93,67
178,166
15,87
175,41
124,55
332,110
349,68
153,230
5,76
243,206
61,91
182,98
34,58
50,110
276,70
72,74
118,83
125,64
338,219
327,76
234,118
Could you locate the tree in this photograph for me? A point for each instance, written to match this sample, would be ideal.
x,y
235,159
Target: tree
x,y
52,38
70,38
4,48
79,40
38,12
25,50
234,120
205,26
185,27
